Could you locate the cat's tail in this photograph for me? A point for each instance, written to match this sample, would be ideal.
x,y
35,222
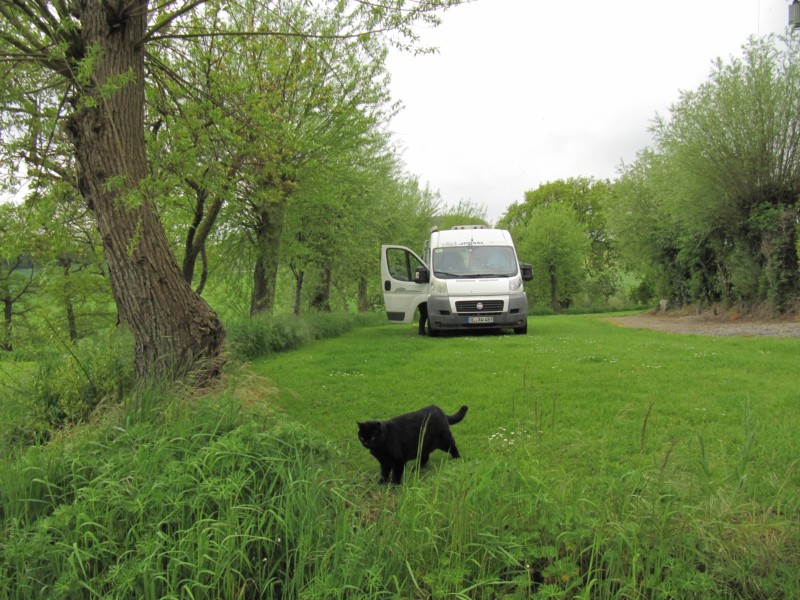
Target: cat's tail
x,y
456,418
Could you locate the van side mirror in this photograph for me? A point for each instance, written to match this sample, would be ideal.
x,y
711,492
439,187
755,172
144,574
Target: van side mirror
x,y
527,271
422,275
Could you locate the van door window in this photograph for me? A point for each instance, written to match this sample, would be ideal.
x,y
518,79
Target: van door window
x,y
402,264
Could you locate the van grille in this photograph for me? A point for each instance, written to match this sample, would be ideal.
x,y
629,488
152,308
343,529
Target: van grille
x,y
470,307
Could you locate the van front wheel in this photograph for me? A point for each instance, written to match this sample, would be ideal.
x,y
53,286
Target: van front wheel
x,y
521,330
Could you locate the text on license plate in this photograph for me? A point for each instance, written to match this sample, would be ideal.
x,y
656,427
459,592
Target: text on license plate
x,y
476,320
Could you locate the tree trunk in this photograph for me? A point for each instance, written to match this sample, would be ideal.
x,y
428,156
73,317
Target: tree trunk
x,y
363,299
342,294
298,292
269,226
197,235
72,325
6,343
322,296
203,271
554,290
175,332
192,245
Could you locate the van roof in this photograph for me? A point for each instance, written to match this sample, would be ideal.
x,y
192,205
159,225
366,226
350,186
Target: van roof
x,y
458,237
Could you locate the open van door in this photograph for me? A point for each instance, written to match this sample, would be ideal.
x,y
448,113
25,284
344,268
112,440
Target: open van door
x,y
401,293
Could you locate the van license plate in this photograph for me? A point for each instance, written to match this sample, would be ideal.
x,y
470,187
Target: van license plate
x,y
476,320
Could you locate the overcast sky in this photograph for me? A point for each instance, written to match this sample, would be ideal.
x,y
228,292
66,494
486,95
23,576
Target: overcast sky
x,y
522,92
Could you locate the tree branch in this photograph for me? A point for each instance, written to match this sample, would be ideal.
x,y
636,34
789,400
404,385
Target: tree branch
x,y
320,36
41,25
168,19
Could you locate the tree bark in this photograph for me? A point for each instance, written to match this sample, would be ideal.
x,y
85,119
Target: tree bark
x,y
6,342
554,290
298,292
196,236
175,332
322,294
72,324
268,229
363,298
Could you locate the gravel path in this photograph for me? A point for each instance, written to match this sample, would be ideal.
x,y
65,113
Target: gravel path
x,y
711,325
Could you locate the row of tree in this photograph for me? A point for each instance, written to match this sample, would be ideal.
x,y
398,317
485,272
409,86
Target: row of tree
x,y
711,214
239,124
250,140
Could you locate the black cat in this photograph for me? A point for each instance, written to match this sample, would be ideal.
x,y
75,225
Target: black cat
x,y
396,441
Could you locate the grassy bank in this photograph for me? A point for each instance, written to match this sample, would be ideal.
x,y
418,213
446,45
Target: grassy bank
x,y
598,462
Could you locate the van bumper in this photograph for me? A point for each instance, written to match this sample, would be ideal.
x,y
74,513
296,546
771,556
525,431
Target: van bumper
x,y
447,313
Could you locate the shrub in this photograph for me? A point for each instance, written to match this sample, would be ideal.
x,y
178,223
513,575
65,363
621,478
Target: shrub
x,y
65,388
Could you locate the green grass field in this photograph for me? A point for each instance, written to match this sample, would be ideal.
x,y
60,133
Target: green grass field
x,y
635,438
581,398
598,462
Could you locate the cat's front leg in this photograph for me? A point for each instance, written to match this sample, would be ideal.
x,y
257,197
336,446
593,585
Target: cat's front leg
x,y
385,470
398,472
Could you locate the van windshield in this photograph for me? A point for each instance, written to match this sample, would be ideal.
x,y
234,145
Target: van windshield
x,y
474,261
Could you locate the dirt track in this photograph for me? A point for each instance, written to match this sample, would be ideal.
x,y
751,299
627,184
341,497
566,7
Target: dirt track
x,y
711,325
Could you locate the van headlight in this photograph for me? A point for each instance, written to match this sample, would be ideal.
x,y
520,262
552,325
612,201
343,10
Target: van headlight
x,y
515,284
438,286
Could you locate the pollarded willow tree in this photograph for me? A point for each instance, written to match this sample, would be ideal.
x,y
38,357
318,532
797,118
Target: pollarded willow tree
x,y
646,235
78,66
729,173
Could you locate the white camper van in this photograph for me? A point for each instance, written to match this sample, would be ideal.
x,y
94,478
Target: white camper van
x,y
467,278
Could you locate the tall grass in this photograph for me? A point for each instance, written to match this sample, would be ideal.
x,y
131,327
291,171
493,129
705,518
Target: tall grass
x,y
64,384
259,336
41,396
207,505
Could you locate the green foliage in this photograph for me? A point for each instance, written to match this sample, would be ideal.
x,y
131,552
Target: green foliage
x,y
642,293
260,105
195,507
710,215
587,201
260,335
556,245
64,388
463,213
